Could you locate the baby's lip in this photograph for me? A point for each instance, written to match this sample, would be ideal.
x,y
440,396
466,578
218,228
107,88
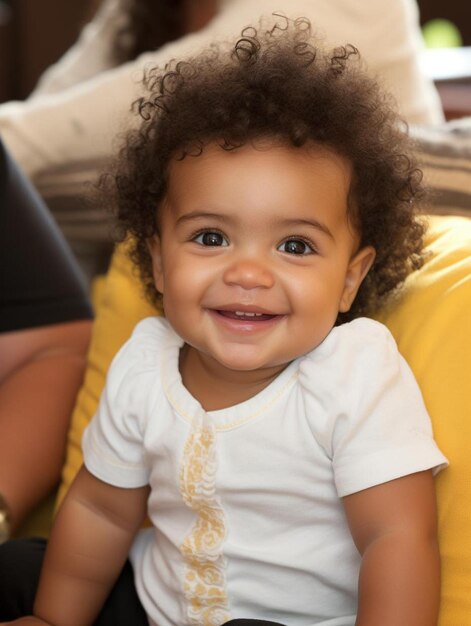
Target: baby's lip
x,y
244,312
244,309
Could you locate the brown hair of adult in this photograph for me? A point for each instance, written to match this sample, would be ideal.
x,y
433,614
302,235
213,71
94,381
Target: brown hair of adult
x,y
278,83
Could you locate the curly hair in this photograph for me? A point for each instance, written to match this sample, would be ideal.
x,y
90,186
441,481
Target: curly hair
x,y
278,83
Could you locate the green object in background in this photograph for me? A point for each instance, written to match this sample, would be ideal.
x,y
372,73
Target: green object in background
x,y
441,33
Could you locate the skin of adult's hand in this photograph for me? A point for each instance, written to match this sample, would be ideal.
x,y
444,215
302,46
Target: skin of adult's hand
x,y
41,371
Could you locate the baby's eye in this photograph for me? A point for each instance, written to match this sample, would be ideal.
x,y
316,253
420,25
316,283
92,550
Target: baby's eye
x,y
296,246
211,238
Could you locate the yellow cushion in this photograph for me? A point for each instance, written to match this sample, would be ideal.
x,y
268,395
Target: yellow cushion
x,y
119,305
431,324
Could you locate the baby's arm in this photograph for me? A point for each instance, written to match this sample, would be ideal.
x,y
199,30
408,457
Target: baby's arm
x,y
89,544
395,529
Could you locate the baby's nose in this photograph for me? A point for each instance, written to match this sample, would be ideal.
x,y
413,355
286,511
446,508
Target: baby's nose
x,y
249,273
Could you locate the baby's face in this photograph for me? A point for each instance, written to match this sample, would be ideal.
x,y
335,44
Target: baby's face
x,y
256,255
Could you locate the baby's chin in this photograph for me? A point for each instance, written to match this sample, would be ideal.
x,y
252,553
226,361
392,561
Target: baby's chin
x,y
243,367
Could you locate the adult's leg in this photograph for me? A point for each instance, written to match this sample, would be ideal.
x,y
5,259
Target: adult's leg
x,y
20,567
41,282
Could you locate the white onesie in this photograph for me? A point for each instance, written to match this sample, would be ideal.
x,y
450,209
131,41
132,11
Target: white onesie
x,y
246,502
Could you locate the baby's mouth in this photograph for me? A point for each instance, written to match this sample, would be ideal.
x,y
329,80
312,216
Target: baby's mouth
x,y
246,315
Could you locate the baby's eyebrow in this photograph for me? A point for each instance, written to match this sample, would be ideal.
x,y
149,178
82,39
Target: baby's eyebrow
x,y
292,223
284,223
195,215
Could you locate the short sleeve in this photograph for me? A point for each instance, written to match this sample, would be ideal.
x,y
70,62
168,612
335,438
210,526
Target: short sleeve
x,y
367,409
113,442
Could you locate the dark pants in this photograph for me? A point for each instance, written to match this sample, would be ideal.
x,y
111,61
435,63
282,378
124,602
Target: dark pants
x,y
40,282
20,566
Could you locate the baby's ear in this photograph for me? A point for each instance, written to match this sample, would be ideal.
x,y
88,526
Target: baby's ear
x,y
155,251
358,268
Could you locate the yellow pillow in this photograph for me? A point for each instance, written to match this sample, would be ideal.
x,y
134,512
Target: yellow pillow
x,y
432,325
119,304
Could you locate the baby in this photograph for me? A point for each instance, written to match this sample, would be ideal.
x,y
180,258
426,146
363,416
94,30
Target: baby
x,y
272,434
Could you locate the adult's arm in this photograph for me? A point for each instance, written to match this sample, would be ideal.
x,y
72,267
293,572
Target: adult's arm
x,y
80,124
41,370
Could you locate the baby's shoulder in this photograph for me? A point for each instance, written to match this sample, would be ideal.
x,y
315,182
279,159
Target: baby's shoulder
x,y
352,352
142,354
152,331
358,338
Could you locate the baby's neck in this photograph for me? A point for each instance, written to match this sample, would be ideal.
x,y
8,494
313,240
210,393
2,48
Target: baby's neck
x,y
216,387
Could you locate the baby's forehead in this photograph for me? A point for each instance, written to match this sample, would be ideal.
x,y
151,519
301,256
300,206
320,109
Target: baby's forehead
x,y
270,178
311,154
258,165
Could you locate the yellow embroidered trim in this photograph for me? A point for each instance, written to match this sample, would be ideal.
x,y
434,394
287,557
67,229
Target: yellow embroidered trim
x,y
204,583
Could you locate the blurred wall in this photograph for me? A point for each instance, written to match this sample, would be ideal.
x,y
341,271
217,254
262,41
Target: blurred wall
x,y
34,34
458,11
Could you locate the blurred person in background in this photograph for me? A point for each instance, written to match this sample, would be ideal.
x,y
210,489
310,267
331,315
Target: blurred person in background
x,y
83,102
45,325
